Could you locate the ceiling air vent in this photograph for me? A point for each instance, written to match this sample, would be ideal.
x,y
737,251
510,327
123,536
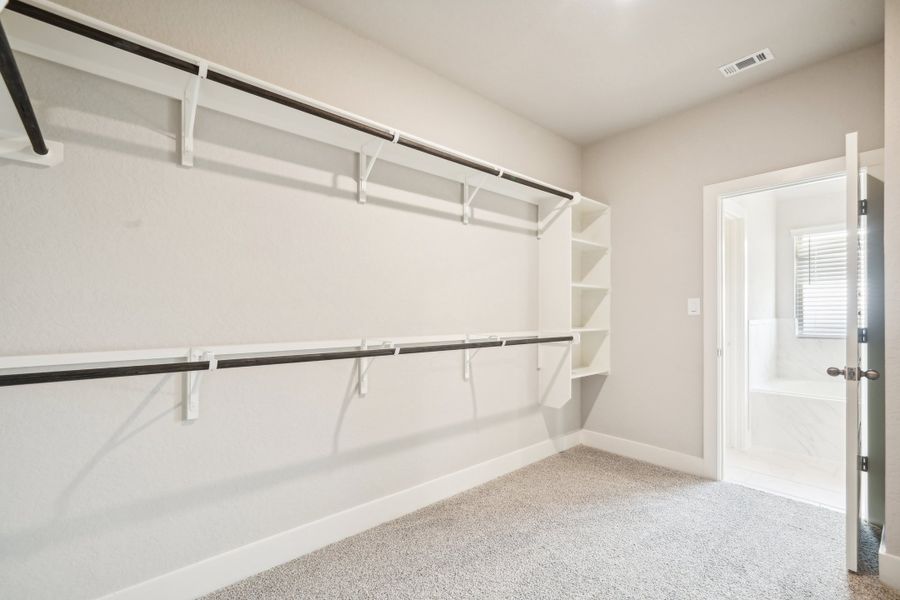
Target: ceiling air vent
x,y
748,62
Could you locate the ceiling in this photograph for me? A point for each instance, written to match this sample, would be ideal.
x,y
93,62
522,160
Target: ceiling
x,y
589,68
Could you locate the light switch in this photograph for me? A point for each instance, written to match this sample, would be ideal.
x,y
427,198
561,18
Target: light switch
x,y
693,306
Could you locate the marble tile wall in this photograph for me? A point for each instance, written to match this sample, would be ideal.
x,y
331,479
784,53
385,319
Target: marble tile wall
x,y
805,358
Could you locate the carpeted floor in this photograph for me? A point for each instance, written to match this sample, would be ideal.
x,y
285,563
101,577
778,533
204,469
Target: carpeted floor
x,y
586,524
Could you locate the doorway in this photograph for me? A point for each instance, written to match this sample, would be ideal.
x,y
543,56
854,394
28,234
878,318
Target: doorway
x,y
816,315
784,322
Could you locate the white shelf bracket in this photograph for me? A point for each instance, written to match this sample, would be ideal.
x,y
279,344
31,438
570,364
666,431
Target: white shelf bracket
x,y
365,363
367,163
17,147
192,383
469,193
469,355
556,213
189,115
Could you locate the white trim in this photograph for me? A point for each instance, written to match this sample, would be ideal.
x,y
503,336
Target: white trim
x,y
888,566
645,452
712,209
218,571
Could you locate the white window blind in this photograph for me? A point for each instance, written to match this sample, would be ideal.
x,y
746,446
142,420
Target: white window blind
x,y
820,283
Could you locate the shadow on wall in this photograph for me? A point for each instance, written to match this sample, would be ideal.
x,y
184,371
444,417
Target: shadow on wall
x,y
560,369
590,392
307,165
25,542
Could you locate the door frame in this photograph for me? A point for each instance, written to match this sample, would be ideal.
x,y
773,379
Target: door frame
x,y
713,448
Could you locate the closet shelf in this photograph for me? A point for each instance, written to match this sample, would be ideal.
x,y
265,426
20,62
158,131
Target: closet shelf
x,y
583,244
589,286
579,372
63,36
590,207
103,365
590,330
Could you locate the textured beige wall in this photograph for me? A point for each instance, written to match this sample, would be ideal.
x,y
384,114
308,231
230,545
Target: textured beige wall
x,y
653,176
281,42
892,273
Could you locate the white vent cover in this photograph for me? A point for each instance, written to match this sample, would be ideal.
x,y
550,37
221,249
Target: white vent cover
x,y
748,62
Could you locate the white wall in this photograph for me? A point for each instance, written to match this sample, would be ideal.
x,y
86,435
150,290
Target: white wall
x,y
812,205
892,279
262,241
653,176
759,214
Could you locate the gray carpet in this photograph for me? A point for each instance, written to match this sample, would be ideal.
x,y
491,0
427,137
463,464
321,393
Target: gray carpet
x,y
586,524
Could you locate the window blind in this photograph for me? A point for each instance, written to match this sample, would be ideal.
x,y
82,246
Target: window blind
x,y
820,283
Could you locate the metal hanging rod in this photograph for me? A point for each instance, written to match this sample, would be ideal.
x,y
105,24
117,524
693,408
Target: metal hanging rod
x,y
256,361
13,79
340,118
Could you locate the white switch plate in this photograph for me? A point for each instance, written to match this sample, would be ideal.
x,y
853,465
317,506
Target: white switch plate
x,y
693,306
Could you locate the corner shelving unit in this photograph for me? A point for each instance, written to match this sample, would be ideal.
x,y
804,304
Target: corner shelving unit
x,y
590,284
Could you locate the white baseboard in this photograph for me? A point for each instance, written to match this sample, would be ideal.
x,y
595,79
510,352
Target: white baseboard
x,y
218,571
645,452
888,566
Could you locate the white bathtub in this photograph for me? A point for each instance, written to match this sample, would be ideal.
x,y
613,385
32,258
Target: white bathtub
x,y
799,417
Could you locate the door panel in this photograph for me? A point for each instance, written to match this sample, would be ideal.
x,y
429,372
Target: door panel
x,y
865,387
873,349
851,366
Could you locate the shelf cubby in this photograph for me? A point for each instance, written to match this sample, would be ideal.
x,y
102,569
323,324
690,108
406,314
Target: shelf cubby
x,y
590,288
592,354
591,222
590,308
590,266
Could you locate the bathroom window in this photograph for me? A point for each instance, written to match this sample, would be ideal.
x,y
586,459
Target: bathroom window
x,y
820,282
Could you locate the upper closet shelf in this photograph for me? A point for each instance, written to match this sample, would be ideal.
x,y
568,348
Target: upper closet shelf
x,y
60,35
590,207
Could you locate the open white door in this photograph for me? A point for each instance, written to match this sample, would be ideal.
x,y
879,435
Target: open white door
x,y
851,368
853,372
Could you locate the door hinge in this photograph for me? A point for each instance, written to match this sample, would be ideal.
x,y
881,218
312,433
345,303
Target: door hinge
x,y
863,207
863,462
863,335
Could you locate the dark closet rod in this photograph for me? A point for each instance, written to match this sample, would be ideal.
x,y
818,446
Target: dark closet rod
x,y
256,361
177,63
13,79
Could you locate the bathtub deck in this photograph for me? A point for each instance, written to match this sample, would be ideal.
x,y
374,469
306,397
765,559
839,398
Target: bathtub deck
x,y
805,478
